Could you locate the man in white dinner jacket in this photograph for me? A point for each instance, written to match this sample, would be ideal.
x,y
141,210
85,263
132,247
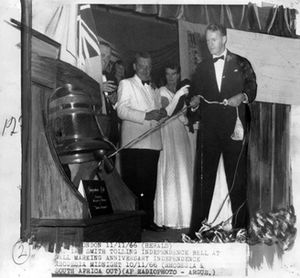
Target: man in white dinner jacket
x,y
139,109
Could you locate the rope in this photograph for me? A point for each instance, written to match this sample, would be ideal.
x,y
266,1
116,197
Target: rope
x,y
224,102
229,218
169,119
149,131
163,122
233,181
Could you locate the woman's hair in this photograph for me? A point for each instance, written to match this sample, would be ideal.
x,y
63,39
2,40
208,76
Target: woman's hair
x,y
173,66
168,65
118,62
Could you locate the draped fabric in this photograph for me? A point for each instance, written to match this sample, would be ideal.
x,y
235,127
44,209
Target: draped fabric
x,y
277,20
243,17
159,59
88,55
268,20
173,199
59,22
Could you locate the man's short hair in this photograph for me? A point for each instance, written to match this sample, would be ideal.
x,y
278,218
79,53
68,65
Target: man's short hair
x,y
216,27
145,55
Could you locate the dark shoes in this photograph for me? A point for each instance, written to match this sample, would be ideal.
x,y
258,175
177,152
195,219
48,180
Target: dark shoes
x,y
155,228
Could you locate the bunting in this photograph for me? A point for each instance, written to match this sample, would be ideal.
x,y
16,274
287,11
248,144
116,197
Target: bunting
x,y
89,55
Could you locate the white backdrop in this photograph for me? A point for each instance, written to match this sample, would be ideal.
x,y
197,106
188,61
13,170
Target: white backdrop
x,y
276,61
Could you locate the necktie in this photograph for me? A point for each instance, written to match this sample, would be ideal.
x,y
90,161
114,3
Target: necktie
x,y
217,58
146,82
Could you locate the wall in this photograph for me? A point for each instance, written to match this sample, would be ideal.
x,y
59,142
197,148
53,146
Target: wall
x,y
10,166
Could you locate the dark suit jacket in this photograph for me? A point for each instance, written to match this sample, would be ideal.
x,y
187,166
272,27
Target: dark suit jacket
x,y
114,132
238,77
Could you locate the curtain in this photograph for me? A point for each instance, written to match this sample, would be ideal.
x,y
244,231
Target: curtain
x,y
278,21
160,57
269,20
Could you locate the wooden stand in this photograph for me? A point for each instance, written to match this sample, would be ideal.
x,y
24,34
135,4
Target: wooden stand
x,y
117,227
58,213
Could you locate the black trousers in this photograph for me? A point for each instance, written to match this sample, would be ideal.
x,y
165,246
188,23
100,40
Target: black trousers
x,y
139,172
210,144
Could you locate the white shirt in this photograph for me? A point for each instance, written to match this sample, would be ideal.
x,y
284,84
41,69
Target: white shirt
x,y
103,95
114,106
219,67
134,100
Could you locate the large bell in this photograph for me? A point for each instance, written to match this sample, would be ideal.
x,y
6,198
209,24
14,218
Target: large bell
x,y
75,130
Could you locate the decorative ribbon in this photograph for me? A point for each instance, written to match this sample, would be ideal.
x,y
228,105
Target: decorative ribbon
x,y
217,233
277,226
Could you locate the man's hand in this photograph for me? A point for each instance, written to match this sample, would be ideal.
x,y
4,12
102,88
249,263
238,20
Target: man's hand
x,y
113,97
236,100
155,115
195,101
163,112
109,86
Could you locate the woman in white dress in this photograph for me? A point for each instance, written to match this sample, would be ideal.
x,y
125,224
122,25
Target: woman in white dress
x,y
173,200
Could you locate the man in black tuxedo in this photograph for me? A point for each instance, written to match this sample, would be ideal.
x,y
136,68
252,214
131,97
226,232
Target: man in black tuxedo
x,y
230,77
110,94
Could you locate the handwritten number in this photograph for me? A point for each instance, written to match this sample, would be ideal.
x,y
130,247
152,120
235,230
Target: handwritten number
x,y
13,119
11,124
20,252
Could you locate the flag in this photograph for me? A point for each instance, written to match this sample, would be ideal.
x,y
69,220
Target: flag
x,y
89,55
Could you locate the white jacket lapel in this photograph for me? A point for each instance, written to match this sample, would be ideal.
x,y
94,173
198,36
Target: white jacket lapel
x,y
145,94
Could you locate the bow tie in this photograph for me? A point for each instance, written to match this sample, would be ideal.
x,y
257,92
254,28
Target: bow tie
x,y
146,82
217,58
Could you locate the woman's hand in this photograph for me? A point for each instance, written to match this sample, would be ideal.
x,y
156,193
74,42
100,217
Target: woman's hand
x,y
182,91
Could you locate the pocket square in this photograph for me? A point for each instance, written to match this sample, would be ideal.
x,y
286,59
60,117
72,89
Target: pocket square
x,y
236,70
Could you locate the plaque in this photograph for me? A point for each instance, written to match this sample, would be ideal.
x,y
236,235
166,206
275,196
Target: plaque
x,y
97,197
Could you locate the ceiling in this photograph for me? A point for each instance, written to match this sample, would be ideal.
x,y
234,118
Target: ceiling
x,y
129,32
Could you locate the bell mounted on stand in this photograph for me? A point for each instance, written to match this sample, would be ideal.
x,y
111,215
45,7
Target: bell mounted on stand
x,y
78,132
75,130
